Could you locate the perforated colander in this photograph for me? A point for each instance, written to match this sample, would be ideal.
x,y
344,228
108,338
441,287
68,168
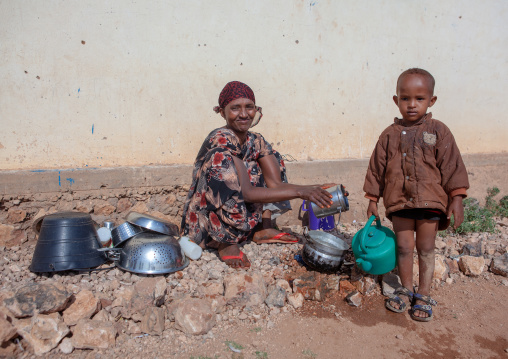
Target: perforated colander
x,y
151,253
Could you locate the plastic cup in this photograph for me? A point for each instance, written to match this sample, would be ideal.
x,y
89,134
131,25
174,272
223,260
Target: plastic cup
x,y
105,236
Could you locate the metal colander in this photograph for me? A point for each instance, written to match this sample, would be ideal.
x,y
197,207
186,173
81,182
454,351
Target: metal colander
x,y
151,253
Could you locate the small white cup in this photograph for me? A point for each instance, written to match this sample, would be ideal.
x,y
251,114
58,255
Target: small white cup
x,y
191,249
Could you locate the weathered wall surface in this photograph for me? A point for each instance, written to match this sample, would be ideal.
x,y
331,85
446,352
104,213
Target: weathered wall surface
x,y
124,83
109,194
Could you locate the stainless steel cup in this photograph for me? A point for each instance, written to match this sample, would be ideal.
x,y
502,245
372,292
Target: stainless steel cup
x,y
340,202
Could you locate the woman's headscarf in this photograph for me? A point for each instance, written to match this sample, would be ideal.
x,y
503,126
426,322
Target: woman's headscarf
x,y
235,90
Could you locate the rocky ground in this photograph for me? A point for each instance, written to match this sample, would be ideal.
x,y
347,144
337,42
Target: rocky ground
x,y
278,308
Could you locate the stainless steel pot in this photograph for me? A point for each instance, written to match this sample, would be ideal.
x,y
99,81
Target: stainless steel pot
x,y
321,261
324,251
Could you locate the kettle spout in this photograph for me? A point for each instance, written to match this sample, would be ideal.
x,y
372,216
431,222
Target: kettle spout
x,y
364,265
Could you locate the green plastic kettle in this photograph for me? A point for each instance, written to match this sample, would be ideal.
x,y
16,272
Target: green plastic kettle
x,y
375,248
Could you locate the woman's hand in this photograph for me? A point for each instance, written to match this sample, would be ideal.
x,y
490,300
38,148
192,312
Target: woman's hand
x,y
372,209
316,194
277,190
457,209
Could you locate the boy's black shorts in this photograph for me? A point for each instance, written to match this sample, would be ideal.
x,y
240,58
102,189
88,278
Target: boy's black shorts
x,y
420,213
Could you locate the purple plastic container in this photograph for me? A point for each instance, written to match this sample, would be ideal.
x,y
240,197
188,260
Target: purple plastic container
x,y
325,223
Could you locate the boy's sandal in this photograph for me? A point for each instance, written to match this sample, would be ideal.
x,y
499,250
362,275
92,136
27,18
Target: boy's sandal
x,y
395,299
425,308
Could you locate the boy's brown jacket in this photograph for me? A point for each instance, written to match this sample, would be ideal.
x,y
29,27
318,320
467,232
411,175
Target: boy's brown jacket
x,y
416,167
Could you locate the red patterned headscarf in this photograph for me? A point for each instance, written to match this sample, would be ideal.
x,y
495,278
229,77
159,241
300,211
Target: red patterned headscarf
x,y
235,90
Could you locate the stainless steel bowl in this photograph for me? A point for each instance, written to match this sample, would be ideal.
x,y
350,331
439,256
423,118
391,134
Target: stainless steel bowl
x,y
124,232
152,223
151,253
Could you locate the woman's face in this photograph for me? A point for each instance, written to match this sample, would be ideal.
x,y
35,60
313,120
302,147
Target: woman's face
x,y
239,115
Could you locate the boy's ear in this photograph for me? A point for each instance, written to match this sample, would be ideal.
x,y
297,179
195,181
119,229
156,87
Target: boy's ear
x,y
396,100
433,101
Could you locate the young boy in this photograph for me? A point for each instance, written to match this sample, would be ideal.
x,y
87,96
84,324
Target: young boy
x,y
418,170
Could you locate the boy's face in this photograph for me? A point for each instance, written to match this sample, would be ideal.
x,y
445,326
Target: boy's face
x,y
414,97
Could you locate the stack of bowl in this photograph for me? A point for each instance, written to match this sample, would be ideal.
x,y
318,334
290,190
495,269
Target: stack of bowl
x,y
147,245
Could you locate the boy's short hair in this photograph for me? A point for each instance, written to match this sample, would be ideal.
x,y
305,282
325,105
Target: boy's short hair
x,y
418,71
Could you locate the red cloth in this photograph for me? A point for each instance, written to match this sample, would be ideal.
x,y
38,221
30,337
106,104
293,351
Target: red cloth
x,y
232,91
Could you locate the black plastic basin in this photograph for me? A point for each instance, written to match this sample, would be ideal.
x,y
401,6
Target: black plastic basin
x,y
67,241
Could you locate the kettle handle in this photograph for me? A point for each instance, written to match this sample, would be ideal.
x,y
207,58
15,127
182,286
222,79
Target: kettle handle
x,y
364,233
303,207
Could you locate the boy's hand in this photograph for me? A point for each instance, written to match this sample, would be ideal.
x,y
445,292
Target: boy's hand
x,y
372,209
457,209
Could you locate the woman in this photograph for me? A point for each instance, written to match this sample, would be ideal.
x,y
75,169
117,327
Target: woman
x,y
235,173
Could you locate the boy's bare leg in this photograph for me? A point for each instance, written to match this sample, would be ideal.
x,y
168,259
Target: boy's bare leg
x,y
426,231
404,229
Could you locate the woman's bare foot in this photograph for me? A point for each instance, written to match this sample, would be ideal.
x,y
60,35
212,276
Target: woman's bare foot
x,y
271,235
233,256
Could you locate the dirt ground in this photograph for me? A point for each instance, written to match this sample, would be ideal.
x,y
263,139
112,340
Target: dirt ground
x,y
470,321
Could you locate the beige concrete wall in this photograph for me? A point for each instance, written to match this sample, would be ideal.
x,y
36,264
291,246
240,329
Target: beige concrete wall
x,y
119,83
58,190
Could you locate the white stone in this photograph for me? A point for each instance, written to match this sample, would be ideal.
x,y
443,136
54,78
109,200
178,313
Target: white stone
x,y
66,346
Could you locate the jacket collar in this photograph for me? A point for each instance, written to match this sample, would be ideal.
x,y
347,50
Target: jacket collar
x,y
401,122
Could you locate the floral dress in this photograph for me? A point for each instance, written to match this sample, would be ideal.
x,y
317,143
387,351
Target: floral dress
x,y
215,208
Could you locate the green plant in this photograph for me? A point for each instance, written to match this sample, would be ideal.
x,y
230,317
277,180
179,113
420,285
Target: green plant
x,y
503,206
256,329
309,353
476,218
498,208
261,355
231,344
490,202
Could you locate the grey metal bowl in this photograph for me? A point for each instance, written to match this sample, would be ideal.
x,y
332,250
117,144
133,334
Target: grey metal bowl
x,y
124,232
151,253
152,223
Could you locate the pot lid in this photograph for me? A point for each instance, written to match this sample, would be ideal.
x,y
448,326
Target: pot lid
x,y
375,238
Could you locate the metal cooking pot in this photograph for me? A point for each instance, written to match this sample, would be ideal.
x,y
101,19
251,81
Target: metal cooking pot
x,y
150,253
324,251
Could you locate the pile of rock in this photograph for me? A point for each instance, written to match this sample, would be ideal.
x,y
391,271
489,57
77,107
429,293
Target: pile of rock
x,y
108,310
